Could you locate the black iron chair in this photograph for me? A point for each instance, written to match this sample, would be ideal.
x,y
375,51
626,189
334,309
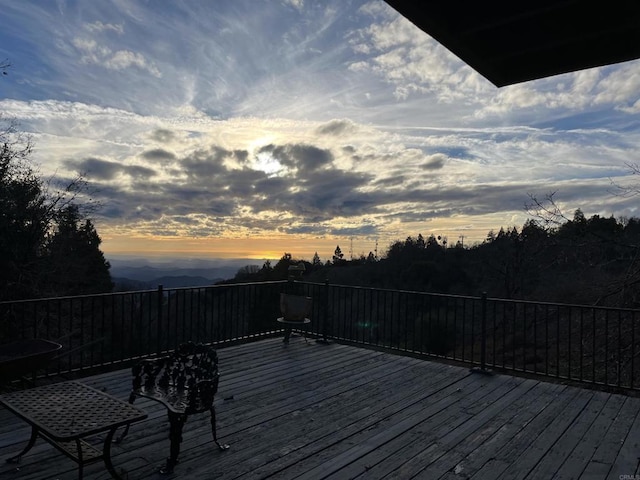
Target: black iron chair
x,y
295,310
185,382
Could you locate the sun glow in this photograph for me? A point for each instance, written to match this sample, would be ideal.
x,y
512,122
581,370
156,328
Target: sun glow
x,y
265,162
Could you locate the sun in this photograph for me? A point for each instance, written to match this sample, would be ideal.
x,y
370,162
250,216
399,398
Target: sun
x,y
266,163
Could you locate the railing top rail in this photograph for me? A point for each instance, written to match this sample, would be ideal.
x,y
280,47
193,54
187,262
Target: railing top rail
x,y
130,292
339,286
226,285
564,305
474,297
414,292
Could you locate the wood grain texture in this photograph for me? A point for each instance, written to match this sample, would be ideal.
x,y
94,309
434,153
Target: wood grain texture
x,y
314,411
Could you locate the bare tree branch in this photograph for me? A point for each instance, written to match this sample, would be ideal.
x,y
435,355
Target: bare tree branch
x,y
546,211
4,66
627,191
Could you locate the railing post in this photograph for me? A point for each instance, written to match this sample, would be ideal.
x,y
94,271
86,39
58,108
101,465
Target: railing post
x,y
159,305
483,333
483,337
325,324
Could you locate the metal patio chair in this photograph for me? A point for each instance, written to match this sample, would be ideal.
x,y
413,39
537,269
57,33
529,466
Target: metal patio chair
x,y
185,382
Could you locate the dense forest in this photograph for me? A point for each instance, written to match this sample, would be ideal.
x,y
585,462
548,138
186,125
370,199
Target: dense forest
x,y
592,261
48,245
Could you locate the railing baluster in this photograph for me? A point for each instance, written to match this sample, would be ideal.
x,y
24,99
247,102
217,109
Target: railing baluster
x,y
493,345
464,327
483,339
558,339
593,352
619,363
633,350
569,345
606,348
581,343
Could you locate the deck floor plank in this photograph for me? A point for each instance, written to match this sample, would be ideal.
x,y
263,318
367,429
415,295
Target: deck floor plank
x,y
497,435
313,412
384,455
575,464
606,452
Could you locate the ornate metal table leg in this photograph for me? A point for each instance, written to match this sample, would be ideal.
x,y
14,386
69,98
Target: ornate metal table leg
x,y
132,398
32,441
80,459
106,454
221,446
176,422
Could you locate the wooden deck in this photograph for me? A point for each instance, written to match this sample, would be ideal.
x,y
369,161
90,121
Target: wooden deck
x,y
333,411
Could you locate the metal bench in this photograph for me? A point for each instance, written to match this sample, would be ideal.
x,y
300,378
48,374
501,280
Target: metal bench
x,y
185,382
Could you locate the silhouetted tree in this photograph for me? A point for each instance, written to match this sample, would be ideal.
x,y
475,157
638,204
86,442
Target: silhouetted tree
x,y
76,264
30,217
247,273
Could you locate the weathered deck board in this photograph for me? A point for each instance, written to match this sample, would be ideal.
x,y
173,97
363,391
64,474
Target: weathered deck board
x,y
313,411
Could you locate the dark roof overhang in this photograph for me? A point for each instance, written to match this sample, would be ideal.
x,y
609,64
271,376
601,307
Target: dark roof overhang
x,y
512,41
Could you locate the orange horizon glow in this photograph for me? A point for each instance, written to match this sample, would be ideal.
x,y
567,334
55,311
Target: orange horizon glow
x,y
255,248
261,247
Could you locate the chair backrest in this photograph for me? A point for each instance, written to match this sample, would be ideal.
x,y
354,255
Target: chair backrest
x,y
191,370
295,308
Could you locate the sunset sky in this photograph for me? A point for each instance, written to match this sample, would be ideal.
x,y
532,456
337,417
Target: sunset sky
x,y
246,129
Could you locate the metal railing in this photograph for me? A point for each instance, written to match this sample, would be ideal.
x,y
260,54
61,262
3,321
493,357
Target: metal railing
x,y
595,345
589,344
109,330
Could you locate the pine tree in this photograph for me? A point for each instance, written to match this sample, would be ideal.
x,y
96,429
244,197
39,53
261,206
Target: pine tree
x,y
76,264
33,224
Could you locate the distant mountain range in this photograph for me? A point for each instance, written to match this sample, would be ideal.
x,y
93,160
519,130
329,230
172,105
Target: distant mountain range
x,y
143,274
124,283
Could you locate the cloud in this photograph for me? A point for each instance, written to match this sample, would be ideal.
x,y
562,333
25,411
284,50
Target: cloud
x,y
162,135
96,168
158,155
204,165
298,4
91,52
337,128
434,162
303,157
98,26
100,170
139,172
412,61
123,59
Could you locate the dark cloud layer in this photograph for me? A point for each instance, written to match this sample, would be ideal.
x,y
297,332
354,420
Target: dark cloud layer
x,y
303,157
98,170
159,154
213,189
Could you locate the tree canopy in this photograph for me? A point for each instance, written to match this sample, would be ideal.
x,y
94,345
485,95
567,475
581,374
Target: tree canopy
x,y
47,246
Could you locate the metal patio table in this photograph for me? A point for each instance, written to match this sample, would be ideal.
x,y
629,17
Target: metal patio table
x,y
23,357
65,414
